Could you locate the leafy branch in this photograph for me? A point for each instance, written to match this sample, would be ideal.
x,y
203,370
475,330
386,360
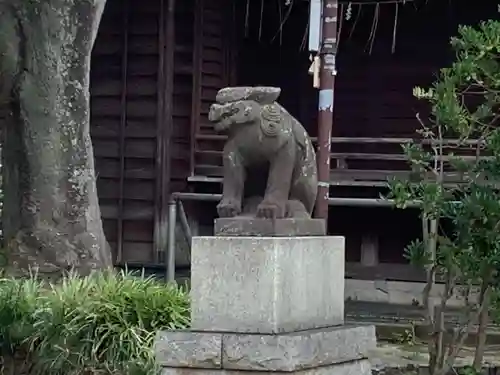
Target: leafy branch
x,y
455,175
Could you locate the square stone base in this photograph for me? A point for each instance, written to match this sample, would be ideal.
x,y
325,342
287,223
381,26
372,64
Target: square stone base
x,y
361,367
244,226
290,352
267,284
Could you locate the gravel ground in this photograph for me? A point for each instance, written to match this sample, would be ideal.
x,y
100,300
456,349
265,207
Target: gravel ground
x,y
404,359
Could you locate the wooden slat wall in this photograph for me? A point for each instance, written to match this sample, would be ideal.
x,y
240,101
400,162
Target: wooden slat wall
x,y
124,118
200,71
182,95
211,68
141,140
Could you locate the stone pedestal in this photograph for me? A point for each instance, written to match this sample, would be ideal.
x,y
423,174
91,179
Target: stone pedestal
x,y
264,305
243,226
264,353
267,284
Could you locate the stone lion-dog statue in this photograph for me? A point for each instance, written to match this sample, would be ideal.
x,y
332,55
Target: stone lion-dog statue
x,y
262,134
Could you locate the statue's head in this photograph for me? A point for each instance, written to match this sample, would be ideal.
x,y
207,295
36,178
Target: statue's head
x,y
246,105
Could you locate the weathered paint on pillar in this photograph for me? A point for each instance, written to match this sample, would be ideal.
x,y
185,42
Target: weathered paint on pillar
x,y
325,103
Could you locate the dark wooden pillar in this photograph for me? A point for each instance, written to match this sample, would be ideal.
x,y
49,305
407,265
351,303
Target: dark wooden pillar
x,y
326,99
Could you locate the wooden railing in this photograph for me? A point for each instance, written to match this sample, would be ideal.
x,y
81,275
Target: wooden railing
x,y
360,161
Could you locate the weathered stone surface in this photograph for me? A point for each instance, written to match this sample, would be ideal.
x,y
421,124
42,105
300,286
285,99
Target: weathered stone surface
x,y
242,226
297,351
265,352
351,368
263,136
261,94
267,284
189,349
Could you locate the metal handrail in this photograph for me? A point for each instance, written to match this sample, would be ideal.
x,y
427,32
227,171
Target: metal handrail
x,y
176,208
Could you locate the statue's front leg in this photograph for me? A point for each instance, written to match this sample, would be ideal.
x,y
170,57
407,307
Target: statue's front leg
x,y
278,183
233,185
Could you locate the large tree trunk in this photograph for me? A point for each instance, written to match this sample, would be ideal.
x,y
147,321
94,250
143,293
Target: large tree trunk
x,y
52,221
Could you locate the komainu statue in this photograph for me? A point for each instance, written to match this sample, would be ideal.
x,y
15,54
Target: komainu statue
x,y
265,144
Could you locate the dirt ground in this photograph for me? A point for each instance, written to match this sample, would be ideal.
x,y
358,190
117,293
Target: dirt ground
x,y
398,359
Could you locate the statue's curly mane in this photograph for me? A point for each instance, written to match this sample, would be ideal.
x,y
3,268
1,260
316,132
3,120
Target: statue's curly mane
x,y
271,120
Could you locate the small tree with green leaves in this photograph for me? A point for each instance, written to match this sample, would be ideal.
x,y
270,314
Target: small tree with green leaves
x,y
455,177
496,304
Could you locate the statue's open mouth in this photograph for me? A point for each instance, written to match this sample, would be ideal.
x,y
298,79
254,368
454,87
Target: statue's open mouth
x,y
220,112
238,105
228,114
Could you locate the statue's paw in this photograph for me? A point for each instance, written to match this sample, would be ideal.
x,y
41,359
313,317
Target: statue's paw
x,y
271,210
228,208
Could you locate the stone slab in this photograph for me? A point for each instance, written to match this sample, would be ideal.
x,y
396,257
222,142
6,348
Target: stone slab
x,y
189,349
361,367
264,352
298,351
244,226
266,284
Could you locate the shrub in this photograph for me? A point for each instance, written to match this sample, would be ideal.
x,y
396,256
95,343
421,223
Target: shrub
x,y
495,311
103,323
460,237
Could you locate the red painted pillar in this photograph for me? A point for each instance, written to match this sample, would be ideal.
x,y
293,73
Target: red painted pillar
x,y
327,54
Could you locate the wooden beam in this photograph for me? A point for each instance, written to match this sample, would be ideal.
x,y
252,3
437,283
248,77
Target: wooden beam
x,y
123,124
197,72
384,271
164,124
447,142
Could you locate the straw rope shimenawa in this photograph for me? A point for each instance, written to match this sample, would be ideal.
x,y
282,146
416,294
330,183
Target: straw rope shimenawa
x,y
348,9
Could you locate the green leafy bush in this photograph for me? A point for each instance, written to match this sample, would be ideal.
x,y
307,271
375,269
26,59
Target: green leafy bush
x,y
495,311
460,243
104,323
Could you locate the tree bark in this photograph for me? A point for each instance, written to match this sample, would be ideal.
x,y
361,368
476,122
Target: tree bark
x,y
51,216
484,319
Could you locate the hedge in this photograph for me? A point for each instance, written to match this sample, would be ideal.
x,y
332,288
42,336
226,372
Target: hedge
x,y
101,324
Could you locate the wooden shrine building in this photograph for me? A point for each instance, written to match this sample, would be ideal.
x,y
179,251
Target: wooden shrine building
x,y
158,64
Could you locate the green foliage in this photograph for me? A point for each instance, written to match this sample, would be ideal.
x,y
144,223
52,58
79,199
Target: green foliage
x,y
103,323
495,303
469,370
464,103
408,337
